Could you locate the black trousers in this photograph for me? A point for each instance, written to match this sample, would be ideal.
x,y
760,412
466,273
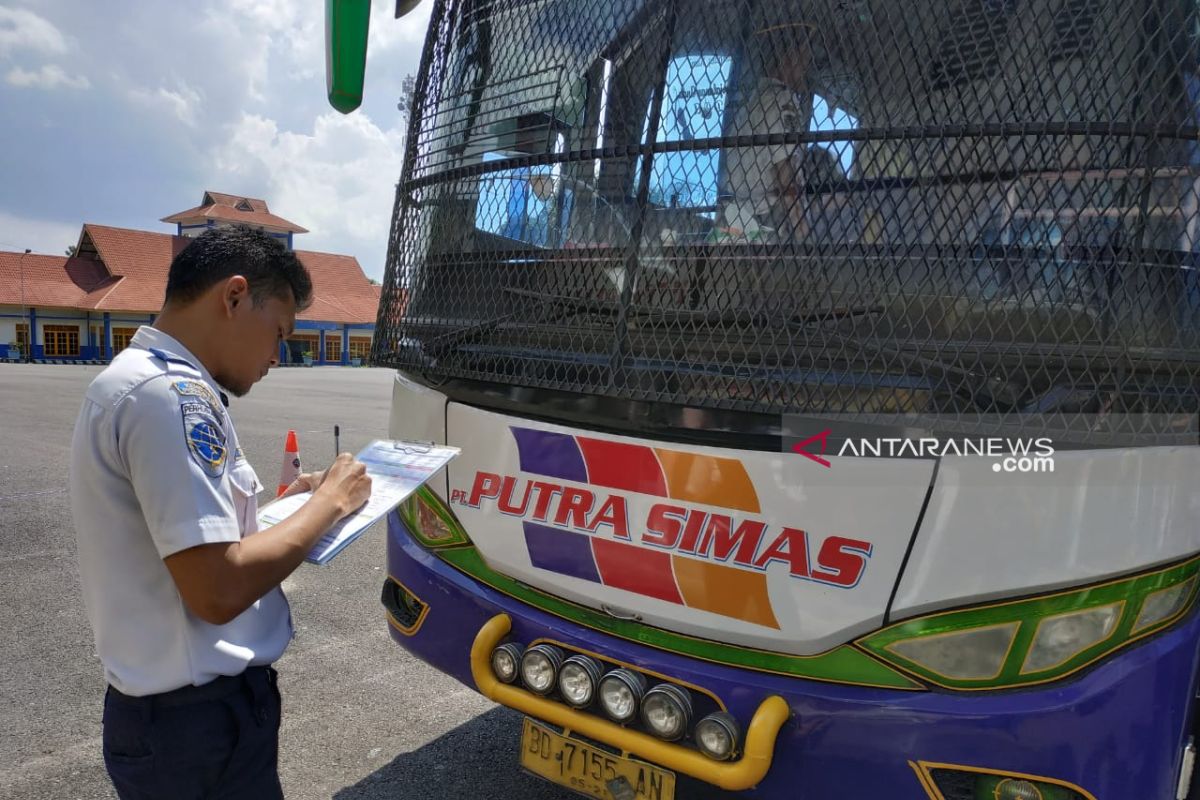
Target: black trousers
x,y
219,741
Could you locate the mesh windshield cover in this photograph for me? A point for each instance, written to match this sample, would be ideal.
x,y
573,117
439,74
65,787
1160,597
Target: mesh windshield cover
x,y
975,209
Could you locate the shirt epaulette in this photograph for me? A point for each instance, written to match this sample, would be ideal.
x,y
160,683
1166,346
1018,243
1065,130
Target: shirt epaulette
x,y
163,355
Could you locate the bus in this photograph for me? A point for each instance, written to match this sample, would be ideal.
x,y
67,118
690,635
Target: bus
x,y
826,376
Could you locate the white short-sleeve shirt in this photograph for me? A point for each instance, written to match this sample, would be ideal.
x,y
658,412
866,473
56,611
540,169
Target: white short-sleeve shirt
x,y
749,171
156,469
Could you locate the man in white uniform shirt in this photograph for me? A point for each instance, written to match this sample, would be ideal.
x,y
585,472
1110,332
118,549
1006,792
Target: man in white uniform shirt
x,y
761,183
181,590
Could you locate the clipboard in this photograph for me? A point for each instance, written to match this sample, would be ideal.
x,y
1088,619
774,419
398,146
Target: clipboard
x,y
396,468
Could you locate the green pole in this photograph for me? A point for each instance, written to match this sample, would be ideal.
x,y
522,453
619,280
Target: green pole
x,y
347,23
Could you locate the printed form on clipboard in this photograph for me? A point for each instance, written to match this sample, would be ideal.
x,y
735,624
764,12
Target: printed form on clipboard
x,y
396,469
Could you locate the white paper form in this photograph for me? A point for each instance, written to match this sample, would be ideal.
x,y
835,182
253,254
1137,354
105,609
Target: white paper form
x,y
396,469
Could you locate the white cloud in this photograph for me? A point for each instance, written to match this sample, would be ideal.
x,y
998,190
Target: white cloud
x,y
50,76
286,39
50,237
388,32
282,37
24,29
338,181
183,101
226,95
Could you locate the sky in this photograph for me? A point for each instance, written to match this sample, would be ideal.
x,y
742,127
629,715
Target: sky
x,y
123,112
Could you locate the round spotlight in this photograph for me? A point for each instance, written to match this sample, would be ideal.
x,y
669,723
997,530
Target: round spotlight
x,y
1010,789
577,680
620,692
718,736
505,660
539,668
667,711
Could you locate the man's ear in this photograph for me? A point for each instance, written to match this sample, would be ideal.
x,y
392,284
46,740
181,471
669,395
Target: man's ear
x,y
236,293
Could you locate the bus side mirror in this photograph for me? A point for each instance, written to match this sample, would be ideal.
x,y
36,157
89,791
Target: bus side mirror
x,y
346,25
405,6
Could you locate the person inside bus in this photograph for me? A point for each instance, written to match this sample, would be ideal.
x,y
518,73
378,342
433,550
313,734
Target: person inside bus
x,y
572,214
761,185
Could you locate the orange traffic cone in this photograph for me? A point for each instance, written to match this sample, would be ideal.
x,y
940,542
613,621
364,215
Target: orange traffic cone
x,y
291,463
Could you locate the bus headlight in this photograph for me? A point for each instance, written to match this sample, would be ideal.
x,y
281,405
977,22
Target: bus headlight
x,y
667,711
620,693
718,736
1016,643
1060,637
964,655
539,668
577,680
1163,604
505,660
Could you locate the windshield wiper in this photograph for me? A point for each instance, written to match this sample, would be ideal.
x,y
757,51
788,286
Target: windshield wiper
x,y
691,318
986,393
551,308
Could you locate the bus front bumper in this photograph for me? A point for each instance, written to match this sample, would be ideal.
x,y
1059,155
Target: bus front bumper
x,y
1114,732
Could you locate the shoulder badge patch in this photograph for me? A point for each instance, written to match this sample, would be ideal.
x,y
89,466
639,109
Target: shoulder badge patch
x,y
186,387
202,428
205,439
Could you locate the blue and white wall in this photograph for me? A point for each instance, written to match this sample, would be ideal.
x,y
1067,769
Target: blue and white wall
x,y
100,335
193,230
315,337
94,330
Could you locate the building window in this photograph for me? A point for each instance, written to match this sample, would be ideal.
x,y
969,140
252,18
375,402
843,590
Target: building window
x,y
333,348
62,341
23,337
693,107
121,338
360,347
297,346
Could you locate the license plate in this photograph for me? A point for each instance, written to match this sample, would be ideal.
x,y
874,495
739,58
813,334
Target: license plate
x,y
589,770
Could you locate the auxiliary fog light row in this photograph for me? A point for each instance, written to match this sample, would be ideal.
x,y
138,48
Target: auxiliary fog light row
x,y
622,694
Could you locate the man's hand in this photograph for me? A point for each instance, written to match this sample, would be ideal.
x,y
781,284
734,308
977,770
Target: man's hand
x,y
345,484
219,581
307,482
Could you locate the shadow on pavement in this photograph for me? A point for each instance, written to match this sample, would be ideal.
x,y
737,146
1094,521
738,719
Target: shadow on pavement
x,y
463,763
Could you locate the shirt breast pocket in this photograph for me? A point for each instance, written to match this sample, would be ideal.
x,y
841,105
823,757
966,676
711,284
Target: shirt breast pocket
x,y
246,487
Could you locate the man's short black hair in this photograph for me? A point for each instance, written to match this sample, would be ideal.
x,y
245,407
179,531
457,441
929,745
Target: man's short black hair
x,y
267,265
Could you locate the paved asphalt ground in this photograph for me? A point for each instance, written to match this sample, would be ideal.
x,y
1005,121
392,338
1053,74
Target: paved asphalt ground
x,y
362,719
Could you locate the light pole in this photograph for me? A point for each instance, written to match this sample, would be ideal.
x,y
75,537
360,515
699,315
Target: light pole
x,y
28,352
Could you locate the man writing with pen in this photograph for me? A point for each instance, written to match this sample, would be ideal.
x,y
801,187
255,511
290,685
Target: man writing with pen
x,y
182,591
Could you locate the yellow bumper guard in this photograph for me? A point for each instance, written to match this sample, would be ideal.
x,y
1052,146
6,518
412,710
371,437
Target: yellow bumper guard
x,y
732,775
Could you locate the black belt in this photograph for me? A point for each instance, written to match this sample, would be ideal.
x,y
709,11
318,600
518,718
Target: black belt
x,y
222,686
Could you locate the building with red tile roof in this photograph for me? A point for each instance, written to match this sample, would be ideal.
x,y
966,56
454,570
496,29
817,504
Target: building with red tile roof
x,y
216,208
88,305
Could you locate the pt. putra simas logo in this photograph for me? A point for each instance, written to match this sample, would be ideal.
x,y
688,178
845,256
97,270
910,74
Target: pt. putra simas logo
x,y
682,527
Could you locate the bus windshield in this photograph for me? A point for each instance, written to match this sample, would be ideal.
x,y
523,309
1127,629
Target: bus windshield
x,y
773,207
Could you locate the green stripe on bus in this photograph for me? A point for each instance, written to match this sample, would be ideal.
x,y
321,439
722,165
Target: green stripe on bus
x,y
844,664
